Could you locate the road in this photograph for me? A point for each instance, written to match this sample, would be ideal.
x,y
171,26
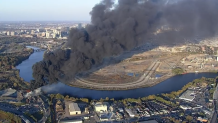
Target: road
x,y
215,97
144,79
14,111
46,109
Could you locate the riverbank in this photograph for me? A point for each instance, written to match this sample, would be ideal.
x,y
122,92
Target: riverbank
x,y
26,66
114,87
9,75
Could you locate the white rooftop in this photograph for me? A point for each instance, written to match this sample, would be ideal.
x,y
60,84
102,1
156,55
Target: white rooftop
x,y
149,121
188,95
73,107
7,92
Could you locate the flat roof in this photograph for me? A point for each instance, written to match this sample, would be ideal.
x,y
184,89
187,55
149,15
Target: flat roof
x,y
73,107
71,121
188,95
7,92
129,111
149,121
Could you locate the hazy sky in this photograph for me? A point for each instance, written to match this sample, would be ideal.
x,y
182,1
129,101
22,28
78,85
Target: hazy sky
x,y
46,10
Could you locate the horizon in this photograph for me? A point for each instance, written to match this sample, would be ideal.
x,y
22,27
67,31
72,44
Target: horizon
x,y
49,10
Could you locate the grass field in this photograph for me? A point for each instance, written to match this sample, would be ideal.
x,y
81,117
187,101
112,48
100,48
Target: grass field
x,y
11,118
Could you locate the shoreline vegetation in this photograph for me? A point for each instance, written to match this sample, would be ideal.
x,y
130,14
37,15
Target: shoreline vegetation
x,y
157,81
9,75
166,98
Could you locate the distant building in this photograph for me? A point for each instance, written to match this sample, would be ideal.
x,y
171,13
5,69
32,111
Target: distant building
x,y
188,95
149,121
185,107
71,121
8,33
47,35
12,33
79,26
74,109
100,107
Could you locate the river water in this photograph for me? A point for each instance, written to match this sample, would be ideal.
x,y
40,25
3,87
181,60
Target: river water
x,y
172,84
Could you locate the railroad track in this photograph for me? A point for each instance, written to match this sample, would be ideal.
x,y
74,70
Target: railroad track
x,y
141,81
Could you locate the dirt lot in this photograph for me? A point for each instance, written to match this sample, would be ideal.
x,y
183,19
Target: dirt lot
x,y
131,69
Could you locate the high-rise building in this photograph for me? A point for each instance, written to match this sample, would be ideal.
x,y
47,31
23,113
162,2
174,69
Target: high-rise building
x,y
47,35
12,33
32,32
8,33
79,26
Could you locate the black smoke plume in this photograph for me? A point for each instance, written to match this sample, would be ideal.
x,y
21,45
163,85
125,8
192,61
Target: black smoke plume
x,y
116,28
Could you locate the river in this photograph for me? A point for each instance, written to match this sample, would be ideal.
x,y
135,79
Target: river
x,y
26,66
172,84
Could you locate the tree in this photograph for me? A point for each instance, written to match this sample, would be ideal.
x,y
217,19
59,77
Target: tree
x,y
51,96
177,71
107,98
15,85
84,100
112,99
189,118
59,96
151,97
67,97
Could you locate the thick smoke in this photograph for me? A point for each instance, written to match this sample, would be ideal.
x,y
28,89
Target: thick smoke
x,y
116,28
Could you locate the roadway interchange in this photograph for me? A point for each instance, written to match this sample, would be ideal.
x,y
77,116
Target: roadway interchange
x,y
142,81
214,115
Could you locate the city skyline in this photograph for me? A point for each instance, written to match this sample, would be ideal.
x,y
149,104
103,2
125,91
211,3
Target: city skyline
x,y
49,10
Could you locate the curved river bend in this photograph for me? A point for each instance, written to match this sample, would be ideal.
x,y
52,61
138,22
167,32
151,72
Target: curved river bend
x,y
172,84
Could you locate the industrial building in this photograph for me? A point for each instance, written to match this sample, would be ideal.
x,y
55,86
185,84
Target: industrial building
x,y
100,107
74,109
130,112
8,93
71,121
149,121
185,107
188,95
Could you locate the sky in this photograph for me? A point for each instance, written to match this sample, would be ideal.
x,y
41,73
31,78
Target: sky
x,y
46,10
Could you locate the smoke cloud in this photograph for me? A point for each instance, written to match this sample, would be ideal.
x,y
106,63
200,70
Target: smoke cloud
x,y
116,28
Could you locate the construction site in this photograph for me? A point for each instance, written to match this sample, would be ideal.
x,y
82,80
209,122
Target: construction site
x,y
140,70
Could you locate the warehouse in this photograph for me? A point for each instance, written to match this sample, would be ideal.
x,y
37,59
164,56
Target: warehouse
x,y
74,109
188,95
100,107
130,112
8,93
71,121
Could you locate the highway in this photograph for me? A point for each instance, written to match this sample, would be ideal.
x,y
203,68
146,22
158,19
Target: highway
x,y
215,97
14,111
46,109
141,81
